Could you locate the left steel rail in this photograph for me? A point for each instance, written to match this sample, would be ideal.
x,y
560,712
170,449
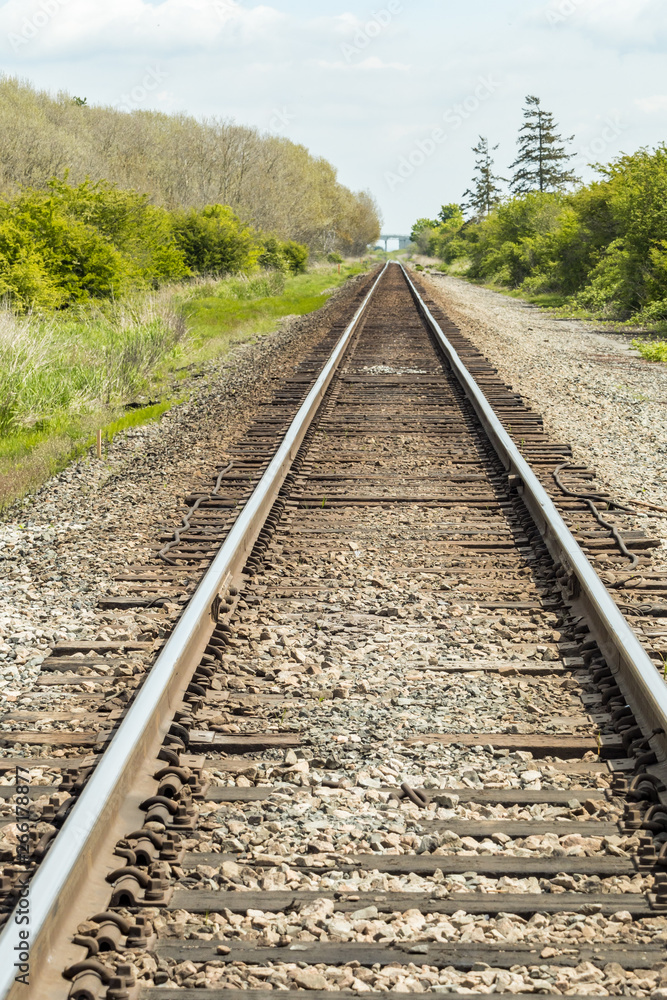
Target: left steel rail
x,y
70,874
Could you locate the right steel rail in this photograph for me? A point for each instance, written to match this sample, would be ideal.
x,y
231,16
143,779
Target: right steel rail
x,y
634,671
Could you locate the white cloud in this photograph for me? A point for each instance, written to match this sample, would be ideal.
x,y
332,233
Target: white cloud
x,y
67,27
373,62
627,23
622,24
652,105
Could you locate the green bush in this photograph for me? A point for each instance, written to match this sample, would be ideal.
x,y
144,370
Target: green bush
x,y
271,257
296,255
67,245
215,242
25,278
652,350
49,259
142,233
289,257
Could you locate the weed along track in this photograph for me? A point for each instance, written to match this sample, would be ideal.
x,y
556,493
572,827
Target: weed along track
x,y
401,738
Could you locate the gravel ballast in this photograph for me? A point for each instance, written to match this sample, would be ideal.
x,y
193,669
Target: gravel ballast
x,y
593,390
61,548
405,740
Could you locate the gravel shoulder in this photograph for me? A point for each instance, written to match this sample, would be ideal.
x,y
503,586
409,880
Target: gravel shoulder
x,y
61,548
592,389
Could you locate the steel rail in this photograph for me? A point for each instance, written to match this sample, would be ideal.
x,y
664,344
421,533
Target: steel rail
x,y
63,874
634,671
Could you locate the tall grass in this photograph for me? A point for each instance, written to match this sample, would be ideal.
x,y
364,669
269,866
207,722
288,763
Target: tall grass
x,y
262,286
102,357
239,288
241,308
64,376
25,350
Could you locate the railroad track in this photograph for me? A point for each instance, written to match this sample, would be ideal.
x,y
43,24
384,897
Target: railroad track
x,y
401,737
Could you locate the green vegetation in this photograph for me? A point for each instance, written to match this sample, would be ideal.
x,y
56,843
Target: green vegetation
x,y
182,163
652,350
600,250
119,229
65,245
62,376
541,163
443,237
68,245
49,367
485,193
221,314
117,364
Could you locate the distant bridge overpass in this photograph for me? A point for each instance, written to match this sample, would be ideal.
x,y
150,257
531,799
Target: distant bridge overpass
x,y
403,241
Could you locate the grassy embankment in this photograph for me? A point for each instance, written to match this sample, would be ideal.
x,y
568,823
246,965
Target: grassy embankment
x,y
114,365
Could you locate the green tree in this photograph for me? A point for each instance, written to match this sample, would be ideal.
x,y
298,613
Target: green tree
x,y
448,212
542,161
486,190
422,234
446,241
420,226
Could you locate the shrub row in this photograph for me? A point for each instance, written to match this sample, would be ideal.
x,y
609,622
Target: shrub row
x,y
70,244
603,245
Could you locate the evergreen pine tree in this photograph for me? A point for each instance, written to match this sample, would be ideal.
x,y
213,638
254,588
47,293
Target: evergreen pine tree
x,y
542,161
486,192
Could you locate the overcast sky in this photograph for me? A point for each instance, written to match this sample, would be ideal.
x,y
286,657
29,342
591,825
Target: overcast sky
x,y
394,94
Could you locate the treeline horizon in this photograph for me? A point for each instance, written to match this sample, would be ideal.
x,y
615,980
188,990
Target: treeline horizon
x,y
181,162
